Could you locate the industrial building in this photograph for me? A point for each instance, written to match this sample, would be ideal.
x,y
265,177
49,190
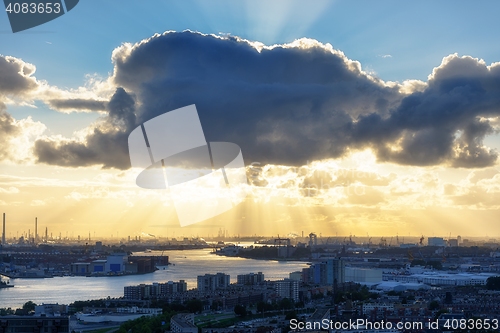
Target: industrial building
x,y
436,241
116,264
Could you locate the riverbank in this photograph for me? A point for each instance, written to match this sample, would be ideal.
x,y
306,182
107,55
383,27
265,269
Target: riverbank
x,y
188,265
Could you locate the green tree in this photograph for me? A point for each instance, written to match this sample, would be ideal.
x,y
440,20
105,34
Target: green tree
x,y
434,305
286,303
493,283
29,306
194,305
240,310
291,315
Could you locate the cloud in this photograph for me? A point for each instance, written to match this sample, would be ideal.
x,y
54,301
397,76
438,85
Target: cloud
x,y
105,143
77,104
18,85
15,76
292,103
17,136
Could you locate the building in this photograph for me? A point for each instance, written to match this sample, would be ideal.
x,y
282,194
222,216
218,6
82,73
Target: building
x,y
250,279
183,322
441,278
296,276
363,275
25,324
288,289
368,307
50,309
329,272
155,290
115,263
436,241
212,282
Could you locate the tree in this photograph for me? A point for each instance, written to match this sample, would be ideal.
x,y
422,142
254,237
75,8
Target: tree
x,y
240,310
216,305
263,306
493,283
291,315
194,305
434,305
29,306
286,303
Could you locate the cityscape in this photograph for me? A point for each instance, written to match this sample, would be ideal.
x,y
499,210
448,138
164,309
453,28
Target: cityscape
x,y
234,166
399,281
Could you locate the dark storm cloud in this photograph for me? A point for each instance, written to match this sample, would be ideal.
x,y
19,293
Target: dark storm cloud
x,y
283,105
292,104
106,144
446,123
77,104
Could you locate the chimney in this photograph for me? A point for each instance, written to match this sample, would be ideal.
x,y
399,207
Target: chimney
x,y
36,229
3,230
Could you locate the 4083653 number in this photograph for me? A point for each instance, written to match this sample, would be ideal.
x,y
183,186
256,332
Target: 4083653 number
x,y
33,8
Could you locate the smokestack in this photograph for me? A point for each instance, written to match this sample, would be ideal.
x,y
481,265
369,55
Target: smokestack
x,y
36,229
3,230
46,234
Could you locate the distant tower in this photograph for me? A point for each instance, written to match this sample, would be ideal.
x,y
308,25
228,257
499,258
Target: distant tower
x,y
46,234
36,229
3,230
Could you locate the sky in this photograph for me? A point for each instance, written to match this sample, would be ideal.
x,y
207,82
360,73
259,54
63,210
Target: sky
x,y
353,117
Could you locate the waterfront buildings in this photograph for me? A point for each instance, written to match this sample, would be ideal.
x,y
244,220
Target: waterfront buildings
x,y
328,272
155,290
116,264
250,279
212,282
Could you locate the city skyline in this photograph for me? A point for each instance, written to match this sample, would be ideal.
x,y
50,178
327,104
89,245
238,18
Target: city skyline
x,y
347,127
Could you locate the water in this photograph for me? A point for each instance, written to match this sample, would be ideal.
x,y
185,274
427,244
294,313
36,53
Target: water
x,y
188,265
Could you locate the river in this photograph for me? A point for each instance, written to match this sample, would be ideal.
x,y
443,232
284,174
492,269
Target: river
x,y
186,265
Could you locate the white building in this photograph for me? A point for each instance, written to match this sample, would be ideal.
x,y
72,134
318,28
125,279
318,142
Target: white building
x,y
442,279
